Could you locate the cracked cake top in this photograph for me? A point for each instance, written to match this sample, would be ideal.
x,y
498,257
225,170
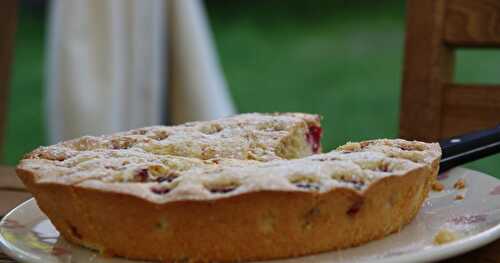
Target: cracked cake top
x,y
222,158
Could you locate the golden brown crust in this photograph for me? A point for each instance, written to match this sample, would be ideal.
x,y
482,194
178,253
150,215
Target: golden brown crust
x,y
253,226
182,207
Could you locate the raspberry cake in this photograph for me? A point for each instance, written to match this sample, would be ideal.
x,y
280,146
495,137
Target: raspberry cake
x,y
249,187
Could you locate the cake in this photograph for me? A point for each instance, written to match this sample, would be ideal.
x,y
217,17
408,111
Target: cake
x,y
248,187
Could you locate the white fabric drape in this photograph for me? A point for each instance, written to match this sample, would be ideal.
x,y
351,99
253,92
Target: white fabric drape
x,y
198,89
108,67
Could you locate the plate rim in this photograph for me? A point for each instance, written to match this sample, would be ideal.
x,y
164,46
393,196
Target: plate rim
x,y
448,250
7,247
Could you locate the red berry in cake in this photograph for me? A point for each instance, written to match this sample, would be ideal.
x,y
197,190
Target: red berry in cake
x,y
160,190
142,175
314,138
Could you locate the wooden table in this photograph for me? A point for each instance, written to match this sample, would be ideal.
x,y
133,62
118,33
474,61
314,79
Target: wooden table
x,y
12,193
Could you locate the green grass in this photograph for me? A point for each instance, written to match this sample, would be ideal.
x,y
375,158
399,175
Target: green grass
x,y
328,57
341,59
25,127
477,66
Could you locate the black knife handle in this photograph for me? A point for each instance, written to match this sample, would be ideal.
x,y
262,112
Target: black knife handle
x,y
469,147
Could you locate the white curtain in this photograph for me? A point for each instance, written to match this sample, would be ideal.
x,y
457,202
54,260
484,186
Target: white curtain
x,y
109,69
198,89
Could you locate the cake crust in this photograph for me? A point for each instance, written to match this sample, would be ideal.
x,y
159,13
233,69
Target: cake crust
x,y
253,226
240,209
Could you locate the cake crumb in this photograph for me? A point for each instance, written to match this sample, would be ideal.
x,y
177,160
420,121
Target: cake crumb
x,y
437,186
444,236
459,197
459,184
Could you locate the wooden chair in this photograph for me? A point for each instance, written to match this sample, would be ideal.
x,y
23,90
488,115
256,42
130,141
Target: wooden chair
x,y
8,17
11,189
432,106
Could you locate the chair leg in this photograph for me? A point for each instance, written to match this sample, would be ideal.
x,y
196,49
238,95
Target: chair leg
x,y
8,20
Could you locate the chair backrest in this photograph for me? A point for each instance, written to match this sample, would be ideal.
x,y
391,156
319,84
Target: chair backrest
x,y
8,17
432,106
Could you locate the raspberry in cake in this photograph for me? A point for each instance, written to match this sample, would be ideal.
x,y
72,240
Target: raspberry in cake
x,y
249,187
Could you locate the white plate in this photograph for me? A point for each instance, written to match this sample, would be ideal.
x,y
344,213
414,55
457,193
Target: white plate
x,y
27,235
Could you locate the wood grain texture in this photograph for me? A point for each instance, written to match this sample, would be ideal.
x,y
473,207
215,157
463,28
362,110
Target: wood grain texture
x,y
469,108
12,191
11,199
472,23
8,17
431,108
5,259
9,180
487,254
427,65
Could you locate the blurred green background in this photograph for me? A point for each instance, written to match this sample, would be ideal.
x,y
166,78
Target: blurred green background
x,y
341,59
